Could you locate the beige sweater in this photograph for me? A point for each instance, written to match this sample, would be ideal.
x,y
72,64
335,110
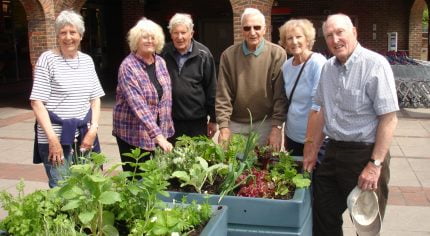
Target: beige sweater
x,y
250,82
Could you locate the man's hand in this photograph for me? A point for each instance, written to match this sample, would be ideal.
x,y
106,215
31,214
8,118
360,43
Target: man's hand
x,y
224,136
309,157
56,155
275,139
212,128
163,143
368,179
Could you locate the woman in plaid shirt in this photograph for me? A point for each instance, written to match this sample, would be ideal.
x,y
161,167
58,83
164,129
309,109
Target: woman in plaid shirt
x,y
142,113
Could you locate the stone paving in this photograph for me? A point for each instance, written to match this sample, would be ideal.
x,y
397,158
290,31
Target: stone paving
x,y
408,210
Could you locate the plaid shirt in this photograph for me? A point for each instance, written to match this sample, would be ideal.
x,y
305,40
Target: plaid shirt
x,y
137,106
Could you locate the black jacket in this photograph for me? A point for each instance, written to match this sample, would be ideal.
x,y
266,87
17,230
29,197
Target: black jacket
x,y
193,89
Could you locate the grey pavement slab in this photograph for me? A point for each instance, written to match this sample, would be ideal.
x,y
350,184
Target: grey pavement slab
x,y
402,173
399,220
421,169
396,151
22,130
16,151
414,146
7,112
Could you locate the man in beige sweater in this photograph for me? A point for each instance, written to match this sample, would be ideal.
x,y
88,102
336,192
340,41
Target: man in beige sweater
x,y
250,77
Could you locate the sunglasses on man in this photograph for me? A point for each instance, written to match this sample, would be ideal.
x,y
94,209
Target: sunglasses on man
x,y
248,28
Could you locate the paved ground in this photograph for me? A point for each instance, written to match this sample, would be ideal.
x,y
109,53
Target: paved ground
x,y
408,212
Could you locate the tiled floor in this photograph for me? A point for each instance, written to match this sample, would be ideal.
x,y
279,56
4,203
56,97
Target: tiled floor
x,y
408,210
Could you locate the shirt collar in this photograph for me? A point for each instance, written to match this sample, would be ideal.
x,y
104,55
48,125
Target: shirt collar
x,y
257,51
353,58
190,49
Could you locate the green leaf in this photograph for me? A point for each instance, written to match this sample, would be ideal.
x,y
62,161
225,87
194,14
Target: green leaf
x,y
182,175
109,197
73,204
86,217
110,230
133,189
97,178
108,218
202,162
301,182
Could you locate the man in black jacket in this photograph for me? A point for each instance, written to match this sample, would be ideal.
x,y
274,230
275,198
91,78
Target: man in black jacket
x,y
192,71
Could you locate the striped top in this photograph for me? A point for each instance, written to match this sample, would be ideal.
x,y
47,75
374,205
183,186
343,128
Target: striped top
x,y
65,86
354,94
138,115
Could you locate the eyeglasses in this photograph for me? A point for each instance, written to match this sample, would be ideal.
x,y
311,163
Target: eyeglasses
x,y
248,28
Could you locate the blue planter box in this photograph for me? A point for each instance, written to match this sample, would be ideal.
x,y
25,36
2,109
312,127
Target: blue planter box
x,y
259,216
259,211
217,225
256,230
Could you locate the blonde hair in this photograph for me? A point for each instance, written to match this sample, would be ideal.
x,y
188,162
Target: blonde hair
x,y
145,27
304,24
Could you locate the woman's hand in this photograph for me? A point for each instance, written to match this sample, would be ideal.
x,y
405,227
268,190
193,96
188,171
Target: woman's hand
x,y
88,141
163,143
56,155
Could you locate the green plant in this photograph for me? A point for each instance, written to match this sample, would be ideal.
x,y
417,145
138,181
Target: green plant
x,y
87,192
285,177
37,213
199,172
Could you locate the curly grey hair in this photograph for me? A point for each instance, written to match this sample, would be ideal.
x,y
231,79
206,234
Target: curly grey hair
x,y
69,17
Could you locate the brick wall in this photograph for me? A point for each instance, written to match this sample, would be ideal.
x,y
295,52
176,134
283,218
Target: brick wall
x,y
387,15
415,29
265,6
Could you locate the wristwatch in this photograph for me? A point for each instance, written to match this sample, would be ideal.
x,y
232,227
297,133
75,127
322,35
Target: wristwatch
x,y
377,163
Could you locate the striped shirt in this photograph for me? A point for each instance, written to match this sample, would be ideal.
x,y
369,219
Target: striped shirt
x,y
354,94
65,86
138,115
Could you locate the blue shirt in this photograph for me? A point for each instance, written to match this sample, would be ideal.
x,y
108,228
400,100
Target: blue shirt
x,y
301,103
257,51
354,94
182,58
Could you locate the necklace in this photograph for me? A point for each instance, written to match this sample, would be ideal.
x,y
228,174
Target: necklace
x,y
65,60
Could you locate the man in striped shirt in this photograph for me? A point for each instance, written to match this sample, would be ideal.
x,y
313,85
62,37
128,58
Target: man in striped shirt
x,y
358,101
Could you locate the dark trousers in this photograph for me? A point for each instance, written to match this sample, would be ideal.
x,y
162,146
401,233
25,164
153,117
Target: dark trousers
x,y
189,127
124,147
293,147
334,179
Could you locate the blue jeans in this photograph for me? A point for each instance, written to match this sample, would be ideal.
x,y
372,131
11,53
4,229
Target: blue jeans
x,y
55,172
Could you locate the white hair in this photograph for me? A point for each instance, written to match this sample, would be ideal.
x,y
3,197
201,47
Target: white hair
x,y
69,17
252,12
340,17
181,19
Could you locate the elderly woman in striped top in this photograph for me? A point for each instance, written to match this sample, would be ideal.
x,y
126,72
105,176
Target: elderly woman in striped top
x,y
142,113
65,98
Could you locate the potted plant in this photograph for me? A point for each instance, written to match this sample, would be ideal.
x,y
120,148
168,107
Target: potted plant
x,y
95,202
273,196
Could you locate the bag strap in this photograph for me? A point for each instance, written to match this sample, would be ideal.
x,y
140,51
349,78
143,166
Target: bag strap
x,y
295,83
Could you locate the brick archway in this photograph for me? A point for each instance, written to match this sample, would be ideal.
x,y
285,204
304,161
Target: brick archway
x,y
415,29
41,17
265,6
